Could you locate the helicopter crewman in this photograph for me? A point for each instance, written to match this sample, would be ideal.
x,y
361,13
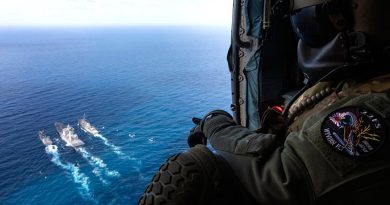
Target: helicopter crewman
x,y
331,146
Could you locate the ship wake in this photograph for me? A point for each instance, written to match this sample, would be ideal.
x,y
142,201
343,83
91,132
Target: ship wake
x,y
88,128
78,177
117,150
99,165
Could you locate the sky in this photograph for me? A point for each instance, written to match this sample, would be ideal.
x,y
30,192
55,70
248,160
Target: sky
x,y
115,12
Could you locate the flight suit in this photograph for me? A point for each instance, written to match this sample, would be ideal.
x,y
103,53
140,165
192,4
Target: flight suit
x,y
336,150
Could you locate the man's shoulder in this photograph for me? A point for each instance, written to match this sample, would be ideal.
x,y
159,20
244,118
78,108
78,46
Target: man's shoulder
x,y
338,139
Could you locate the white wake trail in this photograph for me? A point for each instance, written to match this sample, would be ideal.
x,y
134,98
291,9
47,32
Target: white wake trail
x,y
98,173
117,150
88,128
97,163
79,178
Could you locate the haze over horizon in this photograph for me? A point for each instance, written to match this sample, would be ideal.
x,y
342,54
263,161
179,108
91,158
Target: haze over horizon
x,y
114,12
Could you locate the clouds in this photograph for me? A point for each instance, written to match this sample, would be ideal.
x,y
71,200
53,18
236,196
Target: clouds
x,y
115,12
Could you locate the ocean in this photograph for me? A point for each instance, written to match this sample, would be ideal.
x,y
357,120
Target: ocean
x,y
139,86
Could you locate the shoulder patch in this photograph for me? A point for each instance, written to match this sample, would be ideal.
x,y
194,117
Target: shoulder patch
x,y
354,131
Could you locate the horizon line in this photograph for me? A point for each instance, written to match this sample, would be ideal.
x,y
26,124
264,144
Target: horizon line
x,y
113,25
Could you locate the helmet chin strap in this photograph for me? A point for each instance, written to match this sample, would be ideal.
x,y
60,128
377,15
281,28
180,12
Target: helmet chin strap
x,y
348,49
338,61
317,62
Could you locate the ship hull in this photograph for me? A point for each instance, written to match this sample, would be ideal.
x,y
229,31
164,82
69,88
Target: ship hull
x,y
67,134
87,127
44,138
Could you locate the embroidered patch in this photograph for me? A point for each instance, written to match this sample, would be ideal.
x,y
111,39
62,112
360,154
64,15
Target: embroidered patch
x,y
354,131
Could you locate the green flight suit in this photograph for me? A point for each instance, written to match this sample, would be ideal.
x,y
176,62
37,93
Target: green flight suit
x,y
309,167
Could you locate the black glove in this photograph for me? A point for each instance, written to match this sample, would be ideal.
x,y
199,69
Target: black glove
x,y
196,136
224,134
213,114
273,122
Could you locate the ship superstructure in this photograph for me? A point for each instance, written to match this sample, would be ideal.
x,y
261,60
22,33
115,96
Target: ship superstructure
x,y
44,138
49,146
68,135
87,127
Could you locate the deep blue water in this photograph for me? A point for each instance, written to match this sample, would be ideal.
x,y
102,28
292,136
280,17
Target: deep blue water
x,y
139,86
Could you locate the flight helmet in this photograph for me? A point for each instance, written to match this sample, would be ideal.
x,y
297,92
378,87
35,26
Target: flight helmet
x,y
337,33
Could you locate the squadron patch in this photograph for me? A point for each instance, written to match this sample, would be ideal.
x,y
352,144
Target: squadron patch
x,y
354,131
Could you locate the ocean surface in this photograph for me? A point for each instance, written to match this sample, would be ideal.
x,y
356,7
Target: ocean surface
x,y
139,86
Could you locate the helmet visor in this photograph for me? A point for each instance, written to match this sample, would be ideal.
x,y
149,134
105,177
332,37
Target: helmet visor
x,y
313,26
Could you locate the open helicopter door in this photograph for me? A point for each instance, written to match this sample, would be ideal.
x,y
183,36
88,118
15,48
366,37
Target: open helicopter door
x,y
261,58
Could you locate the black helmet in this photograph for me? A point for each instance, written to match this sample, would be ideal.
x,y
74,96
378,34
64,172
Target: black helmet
x,y
335,33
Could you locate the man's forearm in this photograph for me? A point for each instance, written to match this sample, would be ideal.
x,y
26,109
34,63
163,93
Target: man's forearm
x,y
225,135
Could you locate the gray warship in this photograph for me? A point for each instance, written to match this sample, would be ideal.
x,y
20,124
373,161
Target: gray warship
x,y
49,146
44,138
68,135
87,127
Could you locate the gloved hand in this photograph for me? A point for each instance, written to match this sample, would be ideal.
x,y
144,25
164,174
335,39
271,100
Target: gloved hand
x,y
196,136
273,122
213,114
224,134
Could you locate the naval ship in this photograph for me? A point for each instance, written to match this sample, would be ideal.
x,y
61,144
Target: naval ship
x,y
44,138
49,147
87,127
67,134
